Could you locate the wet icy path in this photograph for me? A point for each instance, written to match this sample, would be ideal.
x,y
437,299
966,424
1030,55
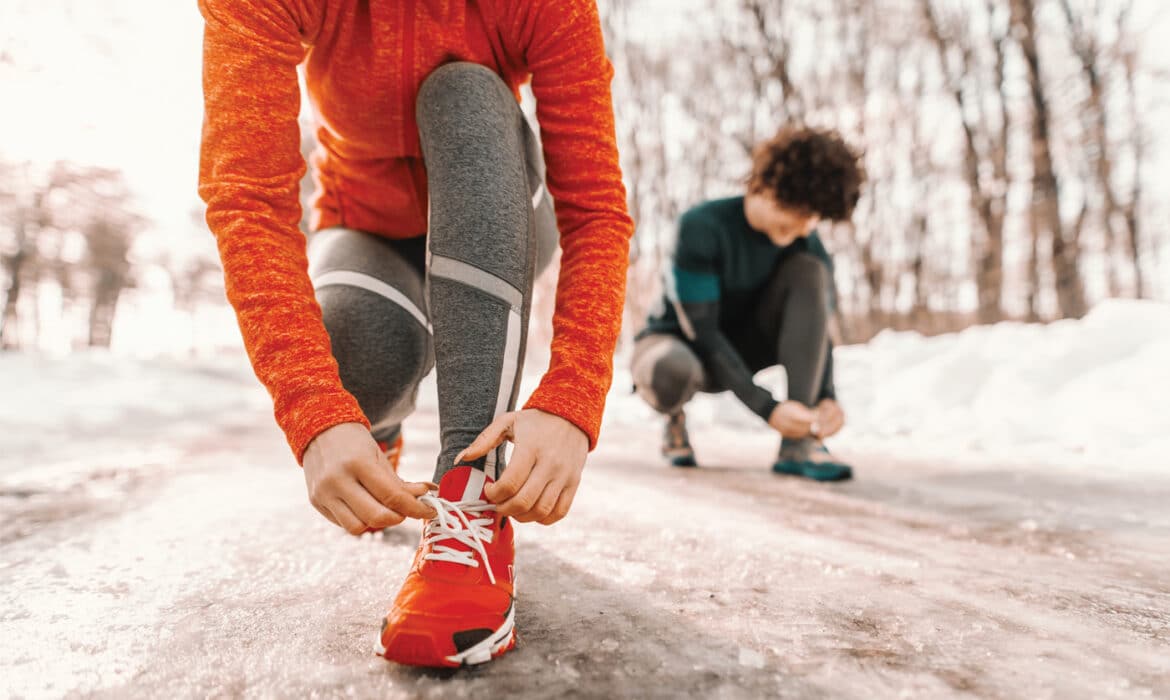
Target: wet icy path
x,y
213,577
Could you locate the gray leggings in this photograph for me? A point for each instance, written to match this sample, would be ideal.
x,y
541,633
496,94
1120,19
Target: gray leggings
x,y
459,298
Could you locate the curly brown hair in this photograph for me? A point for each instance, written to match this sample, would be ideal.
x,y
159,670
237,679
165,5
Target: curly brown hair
x,y
812,170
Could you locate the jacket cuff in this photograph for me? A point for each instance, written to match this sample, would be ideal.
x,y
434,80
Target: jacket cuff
x,y
572,404
304,420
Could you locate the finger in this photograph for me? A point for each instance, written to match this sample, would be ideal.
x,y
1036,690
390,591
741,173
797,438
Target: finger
x,y
327,514
525,500
488,440
346,518
545,503
389,490
367,508
803,413
515,474
564,502
419,488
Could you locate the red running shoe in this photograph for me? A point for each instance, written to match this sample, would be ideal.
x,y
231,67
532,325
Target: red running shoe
x,y
456,605
393,451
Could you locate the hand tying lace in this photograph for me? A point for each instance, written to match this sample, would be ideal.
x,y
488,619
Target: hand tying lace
x,y
452,522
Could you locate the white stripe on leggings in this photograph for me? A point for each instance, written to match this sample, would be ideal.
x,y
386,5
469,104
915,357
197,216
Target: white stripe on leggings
x,y
349,278
472,276
508,371
538,196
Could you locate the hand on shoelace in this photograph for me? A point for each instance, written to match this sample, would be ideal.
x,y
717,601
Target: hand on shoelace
x,y
541,479
352,484
453,521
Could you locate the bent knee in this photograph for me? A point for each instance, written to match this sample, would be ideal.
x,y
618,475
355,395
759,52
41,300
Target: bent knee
x,y
806,271
668,376
382,350
464,86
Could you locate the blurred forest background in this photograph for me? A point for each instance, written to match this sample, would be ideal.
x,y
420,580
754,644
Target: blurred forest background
x,y
1006,143
1016,169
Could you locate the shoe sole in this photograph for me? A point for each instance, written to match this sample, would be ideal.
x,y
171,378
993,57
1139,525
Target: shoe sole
x,y
808,470
419,650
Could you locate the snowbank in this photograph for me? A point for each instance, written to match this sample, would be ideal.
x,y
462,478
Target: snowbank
x,y
60,412
1091,392
1094,392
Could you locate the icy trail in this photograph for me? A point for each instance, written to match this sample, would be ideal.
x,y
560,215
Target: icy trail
x,y
211,576
155,539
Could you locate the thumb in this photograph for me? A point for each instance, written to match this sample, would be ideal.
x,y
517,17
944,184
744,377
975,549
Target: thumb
x,y
491,437
417,488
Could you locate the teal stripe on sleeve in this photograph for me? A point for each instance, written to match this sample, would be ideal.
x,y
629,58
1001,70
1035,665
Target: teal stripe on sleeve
x,y
692,287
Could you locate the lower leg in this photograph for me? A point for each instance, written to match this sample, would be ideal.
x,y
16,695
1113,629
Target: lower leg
x,y
794,310
481,250
667,373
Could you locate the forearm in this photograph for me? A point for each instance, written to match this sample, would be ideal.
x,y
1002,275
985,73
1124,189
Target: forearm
x,y
249,173
280,323
828,387
730,371
586,324
700,321
571,75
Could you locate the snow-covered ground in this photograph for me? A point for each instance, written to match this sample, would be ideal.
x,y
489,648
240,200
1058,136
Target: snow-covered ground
x,y
64,417
1092,393
155,539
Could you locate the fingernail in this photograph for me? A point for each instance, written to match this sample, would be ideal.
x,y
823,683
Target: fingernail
x,y
459,457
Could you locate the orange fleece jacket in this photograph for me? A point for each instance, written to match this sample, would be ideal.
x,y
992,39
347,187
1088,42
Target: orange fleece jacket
x,y
364,61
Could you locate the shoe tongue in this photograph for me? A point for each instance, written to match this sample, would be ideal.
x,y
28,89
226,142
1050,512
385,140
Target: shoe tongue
x,y
463,484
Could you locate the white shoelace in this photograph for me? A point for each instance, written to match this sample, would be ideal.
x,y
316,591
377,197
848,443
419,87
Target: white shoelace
x,y
452,522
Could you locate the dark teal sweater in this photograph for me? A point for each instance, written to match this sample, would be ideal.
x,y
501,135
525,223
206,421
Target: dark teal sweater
x,y
718,268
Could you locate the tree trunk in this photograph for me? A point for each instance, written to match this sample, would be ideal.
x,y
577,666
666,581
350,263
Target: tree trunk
x,y
105,303
1066,250
987,202
14,265
1133,207
8,331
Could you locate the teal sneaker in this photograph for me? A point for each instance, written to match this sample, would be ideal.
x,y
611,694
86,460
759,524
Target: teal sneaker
x,y
816,463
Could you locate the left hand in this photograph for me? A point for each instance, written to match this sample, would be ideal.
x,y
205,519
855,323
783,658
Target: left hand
x,y
830,418
541,479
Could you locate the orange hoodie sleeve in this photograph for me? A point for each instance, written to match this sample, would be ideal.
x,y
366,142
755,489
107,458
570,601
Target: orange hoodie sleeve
x,y
249,174
564,50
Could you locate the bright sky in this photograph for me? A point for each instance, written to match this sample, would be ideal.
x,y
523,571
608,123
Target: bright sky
x,y
113,83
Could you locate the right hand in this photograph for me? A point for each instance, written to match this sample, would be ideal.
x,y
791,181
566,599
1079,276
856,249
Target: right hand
x,y
353,486
792,419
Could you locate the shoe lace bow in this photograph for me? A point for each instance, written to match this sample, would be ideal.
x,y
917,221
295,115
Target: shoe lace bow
x,y
455,521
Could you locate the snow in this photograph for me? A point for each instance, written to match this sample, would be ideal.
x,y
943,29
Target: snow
x,y
60,413
187,563
1094,392
1088,393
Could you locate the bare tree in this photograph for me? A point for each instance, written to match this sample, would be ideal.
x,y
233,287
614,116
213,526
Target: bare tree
x,y
985,131
963,108
1137,144
27,210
